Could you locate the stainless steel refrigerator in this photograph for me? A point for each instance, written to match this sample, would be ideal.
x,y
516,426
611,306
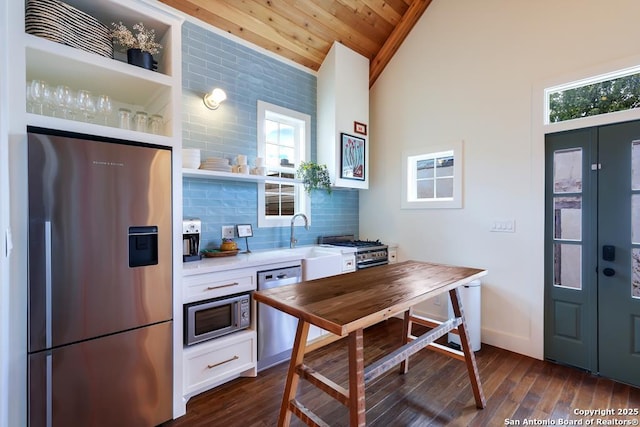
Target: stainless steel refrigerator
x,y
100,282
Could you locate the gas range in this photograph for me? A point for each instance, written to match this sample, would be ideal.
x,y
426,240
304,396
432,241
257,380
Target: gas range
x,y
369,253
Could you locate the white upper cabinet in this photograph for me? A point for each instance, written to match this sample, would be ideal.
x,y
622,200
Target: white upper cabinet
x,y
343,105
128,86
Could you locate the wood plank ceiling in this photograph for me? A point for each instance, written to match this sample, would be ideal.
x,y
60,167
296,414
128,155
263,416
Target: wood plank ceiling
x,y
304,30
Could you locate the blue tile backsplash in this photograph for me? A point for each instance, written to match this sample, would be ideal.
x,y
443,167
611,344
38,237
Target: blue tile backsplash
x,y
210,60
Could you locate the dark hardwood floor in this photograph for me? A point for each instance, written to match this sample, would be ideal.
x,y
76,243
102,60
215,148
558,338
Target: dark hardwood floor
x,y
435,392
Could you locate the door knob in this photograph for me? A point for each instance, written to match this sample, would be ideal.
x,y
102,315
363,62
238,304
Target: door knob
x,y
609,272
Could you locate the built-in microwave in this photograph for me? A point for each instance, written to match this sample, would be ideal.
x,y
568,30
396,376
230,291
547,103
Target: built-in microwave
x,y
204,320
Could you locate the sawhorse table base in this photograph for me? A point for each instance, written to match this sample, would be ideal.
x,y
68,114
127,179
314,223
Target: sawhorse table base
x,y
354,397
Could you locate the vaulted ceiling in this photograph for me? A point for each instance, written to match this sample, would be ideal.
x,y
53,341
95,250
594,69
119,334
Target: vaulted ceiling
x,y
304,30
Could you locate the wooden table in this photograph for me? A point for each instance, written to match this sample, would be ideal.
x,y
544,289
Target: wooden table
x,y
346,304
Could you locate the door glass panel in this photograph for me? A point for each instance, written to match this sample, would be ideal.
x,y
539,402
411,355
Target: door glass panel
x,y
635,273
567,218
635,165
567,262
567,171
635,218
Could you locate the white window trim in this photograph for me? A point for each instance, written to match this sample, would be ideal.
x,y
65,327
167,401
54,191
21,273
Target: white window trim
x,y
267,110
409,177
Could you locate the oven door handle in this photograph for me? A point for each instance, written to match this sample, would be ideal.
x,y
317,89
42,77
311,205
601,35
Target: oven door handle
x,y
372,264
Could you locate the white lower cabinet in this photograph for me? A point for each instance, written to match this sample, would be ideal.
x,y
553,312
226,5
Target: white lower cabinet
x,y
211,363
214,362
206,286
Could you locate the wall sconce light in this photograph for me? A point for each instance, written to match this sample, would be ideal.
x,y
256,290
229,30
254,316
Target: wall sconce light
x,y
214,98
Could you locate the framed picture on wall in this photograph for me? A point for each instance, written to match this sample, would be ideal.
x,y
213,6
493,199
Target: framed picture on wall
x,y
352,157
360,128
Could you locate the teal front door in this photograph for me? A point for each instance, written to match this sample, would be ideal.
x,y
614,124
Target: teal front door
x,y
592,250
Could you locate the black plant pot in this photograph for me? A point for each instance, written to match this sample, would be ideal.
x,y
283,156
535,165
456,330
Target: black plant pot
x,y
141,59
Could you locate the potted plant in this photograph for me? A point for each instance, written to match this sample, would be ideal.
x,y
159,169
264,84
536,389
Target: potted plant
x,y
314,177
140,46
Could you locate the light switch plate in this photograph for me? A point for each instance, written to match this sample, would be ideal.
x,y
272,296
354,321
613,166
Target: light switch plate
x,y
227,231
503,226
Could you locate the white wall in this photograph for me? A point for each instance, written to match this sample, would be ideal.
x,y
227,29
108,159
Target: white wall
x,y
4,221
473,71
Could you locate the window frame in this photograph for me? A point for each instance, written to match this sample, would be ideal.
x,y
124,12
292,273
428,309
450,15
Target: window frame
x,y
409,178
302,123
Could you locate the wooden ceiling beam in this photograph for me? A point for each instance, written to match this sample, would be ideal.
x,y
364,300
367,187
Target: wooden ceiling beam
x,y
397,36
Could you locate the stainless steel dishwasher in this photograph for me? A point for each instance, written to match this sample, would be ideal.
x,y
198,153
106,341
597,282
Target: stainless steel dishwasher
x,y
276,330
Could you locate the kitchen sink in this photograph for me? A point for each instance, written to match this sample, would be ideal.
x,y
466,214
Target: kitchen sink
x,y
319,262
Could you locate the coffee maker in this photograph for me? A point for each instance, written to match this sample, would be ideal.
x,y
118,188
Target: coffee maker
x,y
191,239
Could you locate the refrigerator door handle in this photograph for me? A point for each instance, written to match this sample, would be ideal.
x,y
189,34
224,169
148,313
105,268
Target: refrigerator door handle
x,y
47,281
49,391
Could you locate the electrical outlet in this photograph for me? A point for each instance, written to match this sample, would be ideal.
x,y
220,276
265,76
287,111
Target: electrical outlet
x,y
227,231
436,300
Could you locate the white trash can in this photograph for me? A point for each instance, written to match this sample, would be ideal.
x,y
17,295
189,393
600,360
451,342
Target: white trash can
x,y
470,295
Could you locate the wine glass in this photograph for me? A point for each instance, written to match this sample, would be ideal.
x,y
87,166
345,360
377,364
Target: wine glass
x,y
64,99
105,107
48,99
29,98
89,109
37,95
84,103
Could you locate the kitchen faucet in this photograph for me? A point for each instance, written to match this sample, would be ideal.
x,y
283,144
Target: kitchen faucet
x,y
293,240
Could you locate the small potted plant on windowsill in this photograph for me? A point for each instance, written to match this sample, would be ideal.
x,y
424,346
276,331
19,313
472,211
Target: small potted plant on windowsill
x,y
314,177
140,46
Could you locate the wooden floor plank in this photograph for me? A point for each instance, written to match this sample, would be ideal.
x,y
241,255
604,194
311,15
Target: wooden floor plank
x,y
435,391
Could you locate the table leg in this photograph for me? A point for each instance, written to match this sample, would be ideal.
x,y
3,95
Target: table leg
x,y
406,332
469,357
357,406
291,386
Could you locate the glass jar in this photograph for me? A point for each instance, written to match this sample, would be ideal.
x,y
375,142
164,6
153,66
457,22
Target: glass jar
x,y
155,124
140,121
124,118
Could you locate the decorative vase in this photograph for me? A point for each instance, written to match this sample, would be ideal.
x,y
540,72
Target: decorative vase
x,y
141,59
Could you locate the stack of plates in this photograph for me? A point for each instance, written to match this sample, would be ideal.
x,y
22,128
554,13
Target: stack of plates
x,y
62,23
216,164
190,158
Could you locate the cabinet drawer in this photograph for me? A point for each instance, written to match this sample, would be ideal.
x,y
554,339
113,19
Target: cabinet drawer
x,y
210,363
208,286
348,263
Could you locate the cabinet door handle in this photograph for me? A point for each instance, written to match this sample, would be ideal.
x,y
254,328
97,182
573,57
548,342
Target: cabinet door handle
x,y
211,288
223,362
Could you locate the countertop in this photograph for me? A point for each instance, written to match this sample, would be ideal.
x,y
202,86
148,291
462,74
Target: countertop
x,y
257,258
